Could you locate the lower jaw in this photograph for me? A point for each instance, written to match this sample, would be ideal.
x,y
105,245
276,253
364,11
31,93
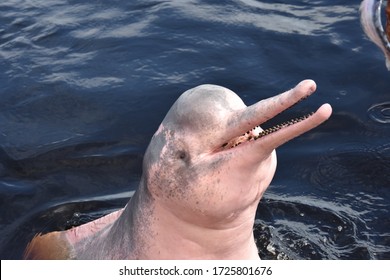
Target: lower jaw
x,y
257,133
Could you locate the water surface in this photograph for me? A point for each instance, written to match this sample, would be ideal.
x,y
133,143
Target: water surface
x,y
85,85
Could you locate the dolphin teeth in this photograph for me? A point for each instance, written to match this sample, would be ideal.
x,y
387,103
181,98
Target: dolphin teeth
x,y
256,132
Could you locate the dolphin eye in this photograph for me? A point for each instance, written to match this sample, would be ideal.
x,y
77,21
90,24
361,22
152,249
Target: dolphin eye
x,y
182,155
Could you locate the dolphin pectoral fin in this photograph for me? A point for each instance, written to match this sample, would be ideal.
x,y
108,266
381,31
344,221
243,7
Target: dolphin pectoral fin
x,y
49,246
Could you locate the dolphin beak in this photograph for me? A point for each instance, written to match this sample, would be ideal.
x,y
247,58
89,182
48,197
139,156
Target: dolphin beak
x,y
244,122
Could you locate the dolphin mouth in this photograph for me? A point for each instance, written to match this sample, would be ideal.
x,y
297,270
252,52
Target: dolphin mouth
x,y
243,127
257,132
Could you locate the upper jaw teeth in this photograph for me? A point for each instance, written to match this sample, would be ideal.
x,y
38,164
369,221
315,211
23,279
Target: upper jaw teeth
x,y
256,133
247,136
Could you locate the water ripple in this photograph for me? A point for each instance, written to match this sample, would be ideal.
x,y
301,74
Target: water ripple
x,y
380,112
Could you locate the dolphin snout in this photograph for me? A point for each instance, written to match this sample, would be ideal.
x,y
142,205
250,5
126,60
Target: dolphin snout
x,y
245,126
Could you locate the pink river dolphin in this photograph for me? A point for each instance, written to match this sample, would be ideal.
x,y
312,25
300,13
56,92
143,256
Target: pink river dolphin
x,y
204,172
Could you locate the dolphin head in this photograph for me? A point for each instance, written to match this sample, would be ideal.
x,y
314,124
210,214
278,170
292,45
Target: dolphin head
x,y
210,161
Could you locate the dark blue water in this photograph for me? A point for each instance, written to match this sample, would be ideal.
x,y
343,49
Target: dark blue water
x,y
84,85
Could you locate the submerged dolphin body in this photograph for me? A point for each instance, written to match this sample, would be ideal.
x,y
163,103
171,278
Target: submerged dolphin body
x,y
204,173
370,17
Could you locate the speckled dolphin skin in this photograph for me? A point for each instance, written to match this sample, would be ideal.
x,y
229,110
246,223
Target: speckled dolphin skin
x,y
204,173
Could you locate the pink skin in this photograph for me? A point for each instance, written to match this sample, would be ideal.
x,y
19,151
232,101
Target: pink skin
x,y
368,8
197,200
